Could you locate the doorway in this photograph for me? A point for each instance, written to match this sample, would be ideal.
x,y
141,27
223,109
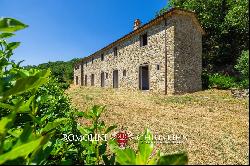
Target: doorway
x,y
86,79
81,80
144,77
102,79
92,79
115,79
76,80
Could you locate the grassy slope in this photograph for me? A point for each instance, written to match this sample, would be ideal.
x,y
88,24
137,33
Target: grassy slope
x,y
215,124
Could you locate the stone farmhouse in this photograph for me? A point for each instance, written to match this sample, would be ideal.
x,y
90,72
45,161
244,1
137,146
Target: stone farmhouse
x,y
162,56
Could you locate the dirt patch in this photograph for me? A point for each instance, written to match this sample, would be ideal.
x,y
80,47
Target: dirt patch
x,y
214,123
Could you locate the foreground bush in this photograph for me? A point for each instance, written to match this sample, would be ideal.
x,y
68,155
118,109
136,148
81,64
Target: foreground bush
x,y
146,154
33,108
35,114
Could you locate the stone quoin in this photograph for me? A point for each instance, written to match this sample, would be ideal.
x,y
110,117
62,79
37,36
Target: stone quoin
x,y
162,56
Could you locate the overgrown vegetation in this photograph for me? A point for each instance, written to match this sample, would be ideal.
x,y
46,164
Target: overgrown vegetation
x,y
221,81
243,67
62,71
33,107
146,154
36,116
227,35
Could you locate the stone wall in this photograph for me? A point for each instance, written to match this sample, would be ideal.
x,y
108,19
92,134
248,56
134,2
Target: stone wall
x,y
173,44
130,56
188,56
170,31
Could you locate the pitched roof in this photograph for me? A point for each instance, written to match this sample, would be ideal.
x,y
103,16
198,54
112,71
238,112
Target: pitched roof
x,y
151,23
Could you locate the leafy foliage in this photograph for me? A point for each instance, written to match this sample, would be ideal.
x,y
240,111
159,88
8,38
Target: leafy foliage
x,y
95,152
32,109
243,67
221,81
173,159
146,154
10,25
226,26
62,71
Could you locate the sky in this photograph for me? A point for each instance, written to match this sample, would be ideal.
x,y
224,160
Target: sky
x,y
60,30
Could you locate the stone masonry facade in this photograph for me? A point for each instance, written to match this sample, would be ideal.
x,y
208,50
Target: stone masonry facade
x,y
163,56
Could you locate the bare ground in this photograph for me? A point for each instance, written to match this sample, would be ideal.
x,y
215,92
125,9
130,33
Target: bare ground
x,y
214,123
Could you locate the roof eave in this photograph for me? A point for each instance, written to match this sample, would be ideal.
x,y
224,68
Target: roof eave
x,y
149,24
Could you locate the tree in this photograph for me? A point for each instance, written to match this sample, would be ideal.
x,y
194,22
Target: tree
x,y
226,25
63,71
243,67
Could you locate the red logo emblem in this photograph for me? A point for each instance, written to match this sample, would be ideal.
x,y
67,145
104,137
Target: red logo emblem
x,y
122,138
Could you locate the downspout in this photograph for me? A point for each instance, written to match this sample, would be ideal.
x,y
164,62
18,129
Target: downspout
x,y
166,62
81,73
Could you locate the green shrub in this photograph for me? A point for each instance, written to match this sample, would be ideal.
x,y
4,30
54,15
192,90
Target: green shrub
x,y
221,81
243,67
146,154
64,85
53,104
32,110
244,84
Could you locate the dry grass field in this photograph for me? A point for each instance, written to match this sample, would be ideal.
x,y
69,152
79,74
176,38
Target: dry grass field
x,y
214,123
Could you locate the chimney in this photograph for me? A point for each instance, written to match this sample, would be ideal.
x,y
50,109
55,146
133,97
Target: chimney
x,y
137,24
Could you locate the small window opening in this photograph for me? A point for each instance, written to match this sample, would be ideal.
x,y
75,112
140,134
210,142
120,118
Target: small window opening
x,y
144,39
115,51
158,67
124,73
76,67
102,57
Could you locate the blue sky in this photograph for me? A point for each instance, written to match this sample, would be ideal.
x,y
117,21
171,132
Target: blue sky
x,y
67,29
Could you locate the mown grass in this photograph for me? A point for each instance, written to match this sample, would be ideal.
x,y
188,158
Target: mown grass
x,y
215,123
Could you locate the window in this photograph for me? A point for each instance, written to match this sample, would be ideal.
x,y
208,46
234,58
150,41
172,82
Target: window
x,y
92,60
115,51
124,73
76,67
102,57
86,64
144,39
107,75
158,67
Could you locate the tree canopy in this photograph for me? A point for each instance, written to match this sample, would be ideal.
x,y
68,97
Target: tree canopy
x,y
63,71
226,25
